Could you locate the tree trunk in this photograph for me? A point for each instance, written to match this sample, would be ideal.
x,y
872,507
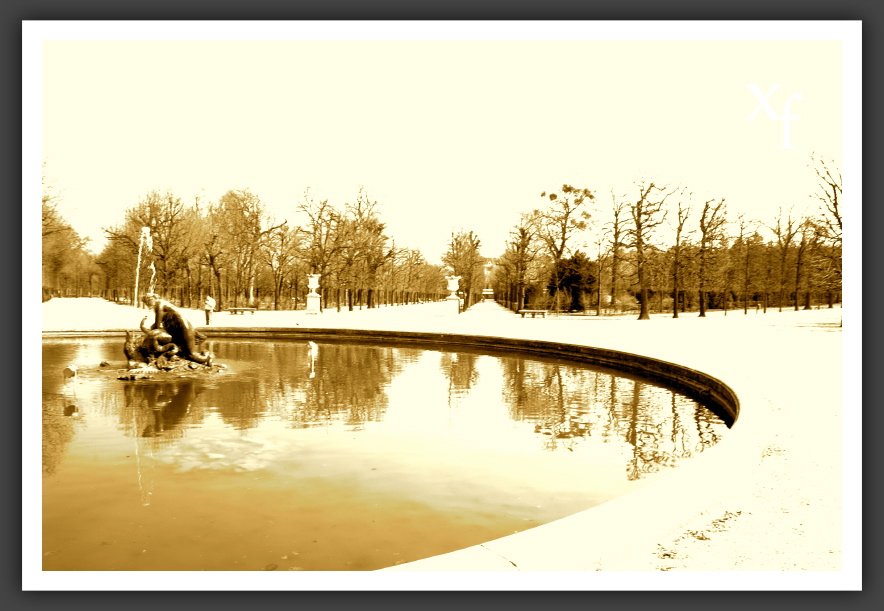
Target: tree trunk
x,y
643,311
614,270
221,300
277,291
675,294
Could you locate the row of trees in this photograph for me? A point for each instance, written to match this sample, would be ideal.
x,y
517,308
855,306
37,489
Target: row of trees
x,y
660,247
67,266
655,247
234,250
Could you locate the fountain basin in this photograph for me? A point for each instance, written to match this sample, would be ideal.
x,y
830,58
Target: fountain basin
x,y
590,539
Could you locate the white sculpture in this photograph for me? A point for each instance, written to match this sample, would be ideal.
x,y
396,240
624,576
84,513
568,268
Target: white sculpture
x,y
313,299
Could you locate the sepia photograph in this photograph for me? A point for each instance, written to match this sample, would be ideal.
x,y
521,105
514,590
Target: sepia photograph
x,y
383,305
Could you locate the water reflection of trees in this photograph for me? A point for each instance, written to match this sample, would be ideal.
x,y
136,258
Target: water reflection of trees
x,y
339,382
157,413
540,392
59,419
267,379
570,406
460,370
348,382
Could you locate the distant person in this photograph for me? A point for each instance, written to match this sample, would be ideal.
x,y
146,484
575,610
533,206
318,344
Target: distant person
x,y
209,307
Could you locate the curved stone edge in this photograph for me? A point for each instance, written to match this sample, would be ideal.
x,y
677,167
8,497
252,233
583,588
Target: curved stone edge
x,y
614,535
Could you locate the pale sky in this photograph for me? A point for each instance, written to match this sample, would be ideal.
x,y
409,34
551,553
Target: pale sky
x,y
444,134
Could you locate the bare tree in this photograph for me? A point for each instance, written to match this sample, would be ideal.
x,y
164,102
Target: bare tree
x,y
617,231
712,222
601,262
829,193
52,219
785,229
173,230
323,241
418,278
742,253
557,223
647,214
769,267
246,227
214,252
62,248
520,254
364,244
747,244
809,236
279,253
683,211
464,259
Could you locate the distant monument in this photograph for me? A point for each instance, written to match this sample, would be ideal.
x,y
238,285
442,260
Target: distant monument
x,y
453,285
314,305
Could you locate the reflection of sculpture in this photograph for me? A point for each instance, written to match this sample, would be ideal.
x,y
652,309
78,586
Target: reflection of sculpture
x,y
312,350
168,404
156,412
170,335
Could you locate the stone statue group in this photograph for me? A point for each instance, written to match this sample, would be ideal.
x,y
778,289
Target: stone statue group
x,y
170,339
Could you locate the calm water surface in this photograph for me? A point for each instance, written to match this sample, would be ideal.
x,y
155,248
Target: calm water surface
x,y
348,457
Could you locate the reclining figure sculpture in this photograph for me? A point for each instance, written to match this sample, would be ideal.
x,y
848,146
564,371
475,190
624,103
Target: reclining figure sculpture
x,y
170,335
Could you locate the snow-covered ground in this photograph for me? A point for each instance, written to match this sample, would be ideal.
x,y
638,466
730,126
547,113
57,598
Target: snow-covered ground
x,y
790,517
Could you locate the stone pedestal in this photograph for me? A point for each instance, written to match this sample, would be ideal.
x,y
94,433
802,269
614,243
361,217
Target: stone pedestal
x,y
453,299
313,298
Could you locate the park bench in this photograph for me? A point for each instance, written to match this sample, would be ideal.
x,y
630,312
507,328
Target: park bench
x,y
242,310
533,313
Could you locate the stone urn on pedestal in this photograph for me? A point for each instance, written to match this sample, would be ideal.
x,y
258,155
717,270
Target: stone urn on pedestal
x,y
453,284
313,299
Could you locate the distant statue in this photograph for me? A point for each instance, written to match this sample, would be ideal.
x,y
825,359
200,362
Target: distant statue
x,y
170,335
